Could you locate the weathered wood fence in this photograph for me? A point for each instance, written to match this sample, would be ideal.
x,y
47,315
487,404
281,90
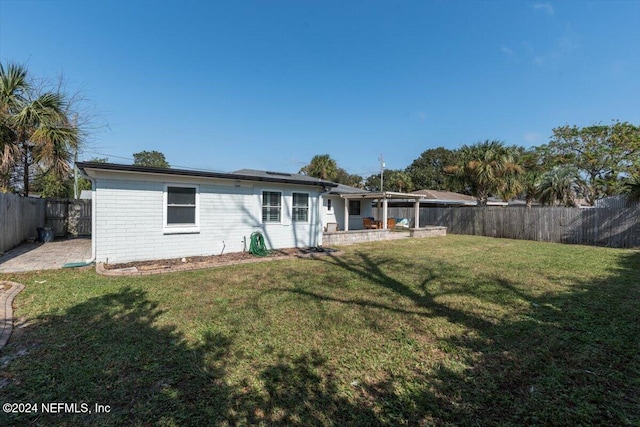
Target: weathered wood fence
x,y
69,217
613,227
20,218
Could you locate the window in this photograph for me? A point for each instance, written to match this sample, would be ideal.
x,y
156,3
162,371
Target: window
x,y
181,208
354,207
329,205
300,207
271,206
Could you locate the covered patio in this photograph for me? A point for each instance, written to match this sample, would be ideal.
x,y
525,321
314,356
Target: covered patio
x,y
381,232
382,212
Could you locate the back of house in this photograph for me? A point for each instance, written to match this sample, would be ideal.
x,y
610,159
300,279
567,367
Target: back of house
x,y
143,213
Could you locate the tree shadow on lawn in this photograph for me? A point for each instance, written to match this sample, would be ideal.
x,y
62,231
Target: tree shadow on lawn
x,y
108,350
569,359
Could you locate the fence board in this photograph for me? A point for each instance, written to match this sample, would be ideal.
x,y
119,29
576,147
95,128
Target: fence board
x,y
613,227
20,218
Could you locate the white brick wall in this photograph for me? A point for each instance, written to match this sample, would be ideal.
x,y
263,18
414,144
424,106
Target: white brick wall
x,y
129,219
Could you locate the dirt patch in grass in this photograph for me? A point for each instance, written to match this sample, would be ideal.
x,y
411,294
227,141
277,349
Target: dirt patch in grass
x,y
216,260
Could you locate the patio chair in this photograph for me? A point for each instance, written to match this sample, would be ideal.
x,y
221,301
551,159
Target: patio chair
x,y
391,223
369,223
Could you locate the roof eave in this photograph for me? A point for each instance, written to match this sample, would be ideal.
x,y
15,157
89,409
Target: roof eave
x,y
84,166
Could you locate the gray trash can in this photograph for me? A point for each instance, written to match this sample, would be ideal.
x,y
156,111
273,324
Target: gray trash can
x,y
45,234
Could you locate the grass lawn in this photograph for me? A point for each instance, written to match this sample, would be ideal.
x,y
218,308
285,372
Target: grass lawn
x,y
446,331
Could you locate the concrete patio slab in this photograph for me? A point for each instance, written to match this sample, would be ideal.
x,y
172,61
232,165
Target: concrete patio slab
x,y
45,256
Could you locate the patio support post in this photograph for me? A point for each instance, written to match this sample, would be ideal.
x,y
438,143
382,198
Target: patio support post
x,y
416,213
385,208
346,214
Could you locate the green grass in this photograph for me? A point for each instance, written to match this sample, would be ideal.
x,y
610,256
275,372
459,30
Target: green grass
x,y
448,331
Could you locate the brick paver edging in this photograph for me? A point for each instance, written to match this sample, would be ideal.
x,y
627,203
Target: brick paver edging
x,y
202,265
6,311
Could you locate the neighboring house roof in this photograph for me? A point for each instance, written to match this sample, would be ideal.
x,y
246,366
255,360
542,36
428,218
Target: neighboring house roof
x,y
618,202
244,174
446,196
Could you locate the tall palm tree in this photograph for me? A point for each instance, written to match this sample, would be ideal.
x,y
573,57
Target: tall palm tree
x,y
485,167
559,186
35,128
530,181
400,181
321,166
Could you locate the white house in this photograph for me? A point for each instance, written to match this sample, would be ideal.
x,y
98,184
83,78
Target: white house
x,y
143,213
333,209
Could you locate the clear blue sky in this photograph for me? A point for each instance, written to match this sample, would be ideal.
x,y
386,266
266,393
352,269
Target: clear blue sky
x,y
236,84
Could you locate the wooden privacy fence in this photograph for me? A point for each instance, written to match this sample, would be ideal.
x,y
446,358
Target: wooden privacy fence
x,y
69,217
20,218
614,227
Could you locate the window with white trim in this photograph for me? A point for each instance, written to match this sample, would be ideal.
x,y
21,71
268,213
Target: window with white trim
x,y
300,207
354,207
271,206
181,208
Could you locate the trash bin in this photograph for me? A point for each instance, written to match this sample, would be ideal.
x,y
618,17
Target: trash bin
x,y
45,234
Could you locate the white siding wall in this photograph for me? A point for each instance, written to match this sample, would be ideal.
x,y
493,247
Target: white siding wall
x,y
129,219
337,212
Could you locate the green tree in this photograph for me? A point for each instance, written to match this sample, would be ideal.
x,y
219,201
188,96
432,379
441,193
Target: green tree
x,y
483,168
343,177
35,128
427,171
152,159
632,187
398,181
48,185
559,187
531,161
372,183
530,181
321,166
511,186
602,154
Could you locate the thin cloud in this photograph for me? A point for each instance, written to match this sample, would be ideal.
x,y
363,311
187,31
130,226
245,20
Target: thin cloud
x,y
562,48
545,7
506,50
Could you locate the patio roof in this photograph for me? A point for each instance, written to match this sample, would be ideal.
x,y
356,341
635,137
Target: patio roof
x,y
380,195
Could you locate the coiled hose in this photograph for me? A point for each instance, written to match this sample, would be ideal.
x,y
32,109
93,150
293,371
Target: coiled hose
x,y
257,246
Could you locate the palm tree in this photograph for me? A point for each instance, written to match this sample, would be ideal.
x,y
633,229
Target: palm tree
x,y
559,186
35,128
485,167
321,166
400,181
530,181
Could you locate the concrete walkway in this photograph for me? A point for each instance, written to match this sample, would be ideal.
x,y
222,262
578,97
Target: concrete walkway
x,y
45,256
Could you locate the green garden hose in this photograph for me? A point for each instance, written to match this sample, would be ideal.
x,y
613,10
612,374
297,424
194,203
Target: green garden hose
x,y
257,246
